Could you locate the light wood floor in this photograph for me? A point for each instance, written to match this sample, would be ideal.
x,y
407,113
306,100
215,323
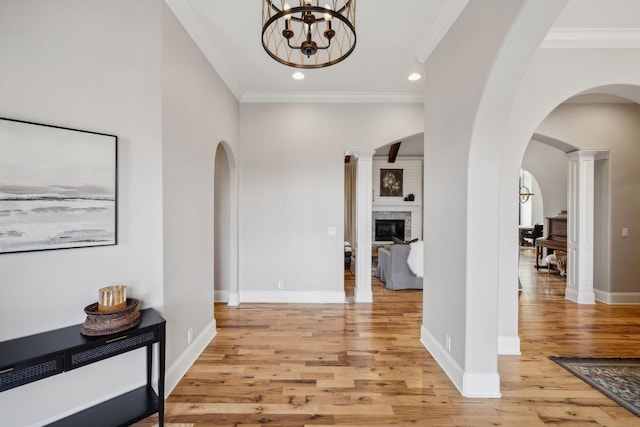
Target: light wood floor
x,y
363,365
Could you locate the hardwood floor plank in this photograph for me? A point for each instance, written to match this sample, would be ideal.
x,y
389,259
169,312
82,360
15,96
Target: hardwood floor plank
x,y
363,365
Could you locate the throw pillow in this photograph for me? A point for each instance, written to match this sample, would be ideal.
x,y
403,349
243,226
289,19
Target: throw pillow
x,y
415,259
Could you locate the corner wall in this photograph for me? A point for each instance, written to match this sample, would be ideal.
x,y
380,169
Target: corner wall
x,y
465,134
198,111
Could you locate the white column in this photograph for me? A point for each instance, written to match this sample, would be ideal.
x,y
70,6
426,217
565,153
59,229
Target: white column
x,y
580,226
364,194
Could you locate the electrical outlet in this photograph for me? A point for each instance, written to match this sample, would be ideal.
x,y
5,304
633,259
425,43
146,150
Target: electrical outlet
x,y
625,232
189,335
447,342
280,284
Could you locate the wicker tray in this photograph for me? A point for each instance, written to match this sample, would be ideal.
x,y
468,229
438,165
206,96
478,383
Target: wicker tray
x,y
106,323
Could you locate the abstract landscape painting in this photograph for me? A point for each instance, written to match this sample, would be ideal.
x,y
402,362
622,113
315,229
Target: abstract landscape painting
x,y
57,187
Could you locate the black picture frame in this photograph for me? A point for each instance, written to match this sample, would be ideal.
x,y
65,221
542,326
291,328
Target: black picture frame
x,y
391,182
58,187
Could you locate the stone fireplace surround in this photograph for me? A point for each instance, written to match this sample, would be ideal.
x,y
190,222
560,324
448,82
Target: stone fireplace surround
x,y
406,216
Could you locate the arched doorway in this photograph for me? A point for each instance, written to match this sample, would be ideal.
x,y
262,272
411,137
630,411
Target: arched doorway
x,y
366,195
581,118
225,227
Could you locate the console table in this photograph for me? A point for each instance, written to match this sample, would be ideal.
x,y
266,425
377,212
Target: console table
x,y
31,358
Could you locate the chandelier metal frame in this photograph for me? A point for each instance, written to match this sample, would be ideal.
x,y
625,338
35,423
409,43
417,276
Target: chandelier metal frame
x,y
293,35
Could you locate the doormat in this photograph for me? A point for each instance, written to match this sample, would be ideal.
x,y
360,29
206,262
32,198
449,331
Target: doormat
x,y
616,378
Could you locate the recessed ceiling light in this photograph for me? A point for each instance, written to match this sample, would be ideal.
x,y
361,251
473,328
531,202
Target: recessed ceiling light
x,y
298,76
415,76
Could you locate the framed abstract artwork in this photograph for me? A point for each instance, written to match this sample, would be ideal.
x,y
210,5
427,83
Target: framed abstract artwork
x,y
391,182
58,187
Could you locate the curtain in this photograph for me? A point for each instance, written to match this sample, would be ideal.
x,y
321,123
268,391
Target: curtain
x,y
350,203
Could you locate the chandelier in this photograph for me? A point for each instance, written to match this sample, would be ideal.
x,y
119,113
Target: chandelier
x,y
525,194
308,35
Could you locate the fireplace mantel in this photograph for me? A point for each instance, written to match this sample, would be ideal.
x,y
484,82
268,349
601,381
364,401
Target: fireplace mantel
x,y
401,206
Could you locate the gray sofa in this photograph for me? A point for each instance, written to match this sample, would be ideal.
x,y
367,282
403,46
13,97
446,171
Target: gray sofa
x,y
393,270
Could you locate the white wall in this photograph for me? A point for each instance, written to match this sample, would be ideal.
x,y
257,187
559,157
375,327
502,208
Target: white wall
x,y
292,191
549,166
92,66
537,208
198,113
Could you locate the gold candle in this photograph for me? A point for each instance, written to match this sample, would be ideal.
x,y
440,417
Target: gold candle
x,y
112,298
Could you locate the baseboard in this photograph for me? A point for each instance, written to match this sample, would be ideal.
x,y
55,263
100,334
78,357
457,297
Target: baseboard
x,y
443,358
617,297
180,367
481,385
509,346
573,294
221,296
473,385
337,297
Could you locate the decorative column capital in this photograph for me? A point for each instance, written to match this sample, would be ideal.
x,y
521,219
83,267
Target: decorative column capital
x,y
360,154
588,154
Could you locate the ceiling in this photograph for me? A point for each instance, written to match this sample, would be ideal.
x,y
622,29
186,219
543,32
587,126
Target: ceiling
x,y
392,42
390,46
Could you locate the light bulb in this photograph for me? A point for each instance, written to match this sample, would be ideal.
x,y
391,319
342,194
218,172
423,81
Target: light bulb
x,y
327,16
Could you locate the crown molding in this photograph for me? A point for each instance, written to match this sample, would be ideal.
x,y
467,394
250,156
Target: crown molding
x,y
445,19
592,38
193,26
332,97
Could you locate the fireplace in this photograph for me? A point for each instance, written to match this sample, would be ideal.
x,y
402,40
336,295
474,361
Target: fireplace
x,y
387,229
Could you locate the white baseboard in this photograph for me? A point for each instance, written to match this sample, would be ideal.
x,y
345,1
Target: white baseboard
x,y
617,297
509,345
443,358
180,367
476,385
572,293
484,386
337,297
221,296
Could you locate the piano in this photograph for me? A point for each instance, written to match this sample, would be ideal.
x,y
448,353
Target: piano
x,y
556,239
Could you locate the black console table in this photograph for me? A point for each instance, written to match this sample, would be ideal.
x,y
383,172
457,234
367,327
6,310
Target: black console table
x,y
27,359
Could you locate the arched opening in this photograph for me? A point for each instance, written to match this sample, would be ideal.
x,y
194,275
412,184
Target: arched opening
x,y
544,173
397,212
225,227
365,201
593,124
597,122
